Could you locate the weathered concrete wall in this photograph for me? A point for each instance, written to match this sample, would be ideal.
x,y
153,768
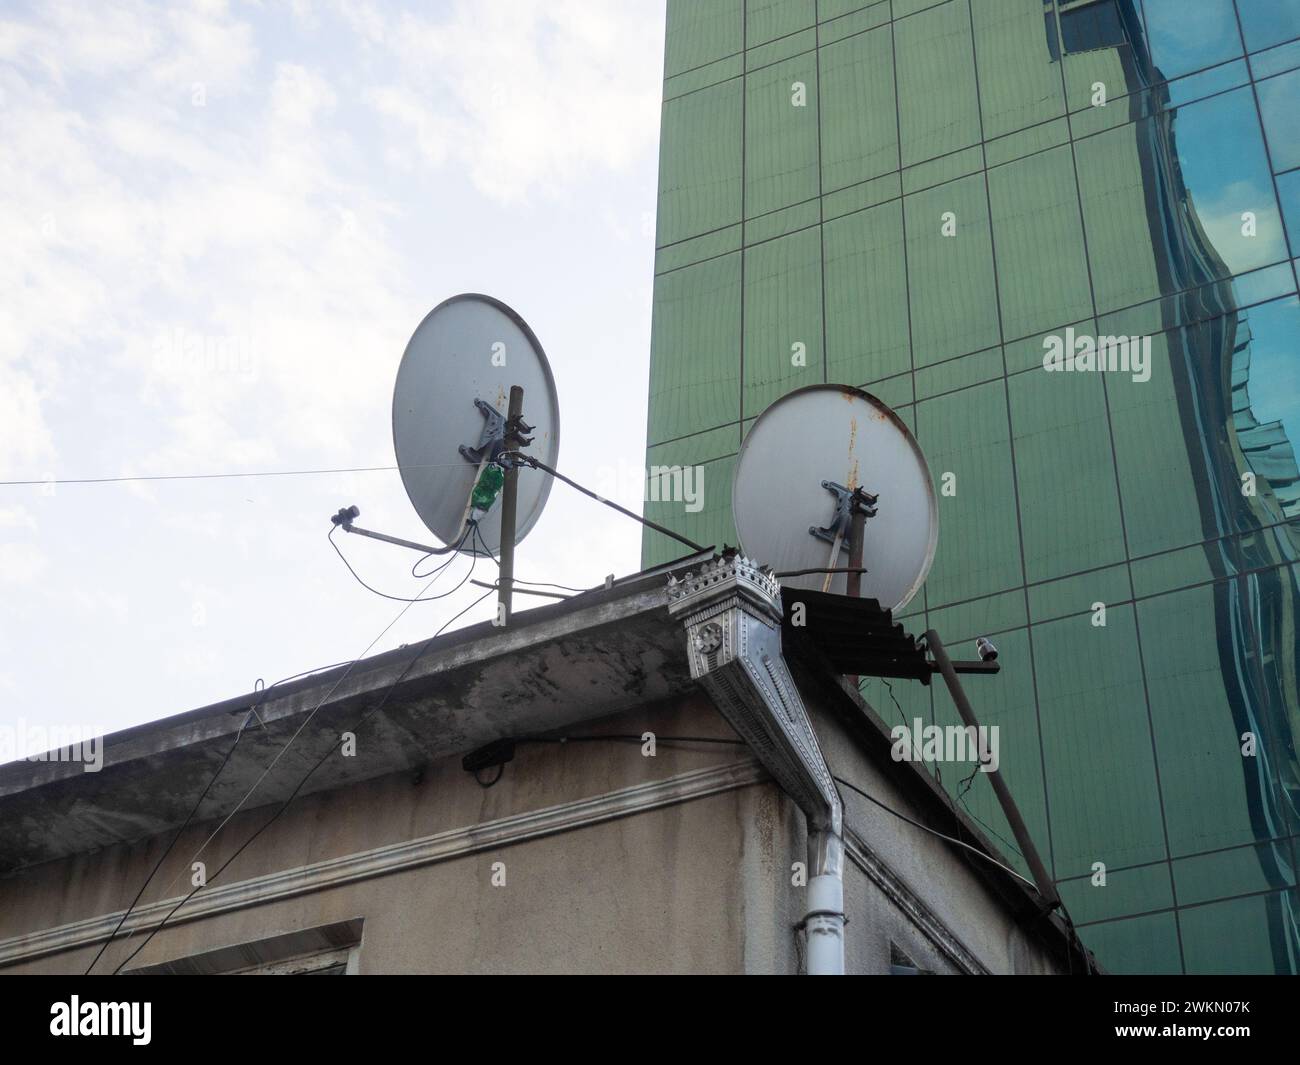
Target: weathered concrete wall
x,y
700,884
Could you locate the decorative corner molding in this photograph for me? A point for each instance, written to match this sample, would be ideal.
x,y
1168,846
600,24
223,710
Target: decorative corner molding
x,y
731,610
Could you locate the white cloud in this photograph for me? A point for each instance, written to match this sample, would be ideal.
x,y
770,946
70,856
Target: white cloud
x,y
21,563
523,96
230,287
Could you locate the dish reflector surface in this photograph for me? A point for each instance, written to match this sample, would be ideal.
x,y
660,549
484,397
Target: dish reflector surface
x,y
844,435
470,347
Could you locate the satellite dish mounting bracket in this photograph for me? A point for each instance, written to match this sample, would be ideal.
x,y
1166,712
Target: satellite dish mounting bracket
x,y
492,440
848,501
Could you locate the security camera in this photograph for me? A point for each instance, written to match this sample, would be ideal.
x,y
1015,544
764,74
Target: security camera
x,y
987,652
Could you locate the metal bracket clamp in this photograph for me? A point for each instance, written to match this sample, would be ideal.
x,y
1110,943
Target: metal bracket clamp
x,y
848,501
492,440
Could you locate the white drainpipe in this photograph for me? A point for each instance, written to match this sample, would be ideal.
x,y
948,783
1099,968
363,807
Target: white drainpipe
x,y
823,924
731,609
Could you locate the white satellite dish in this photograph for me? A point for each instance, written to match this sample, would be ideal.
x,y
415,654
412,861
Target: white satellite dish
x,y
450,403
784,495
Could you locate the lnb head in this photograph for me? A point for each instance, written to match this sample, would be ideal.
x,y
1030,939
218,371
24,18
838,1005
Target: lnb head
x,y
346,516
987,652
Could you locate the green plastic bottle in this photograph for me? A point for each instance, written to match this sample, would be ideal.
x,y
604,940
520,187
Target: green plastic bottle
x,y
488,487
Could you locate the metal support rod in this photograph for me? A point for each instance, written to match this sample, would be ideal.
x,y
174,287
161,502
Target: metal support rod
x,y
834,559
528,460
1045,886
424,549
818,570
521,591
509,505
987,668
853,582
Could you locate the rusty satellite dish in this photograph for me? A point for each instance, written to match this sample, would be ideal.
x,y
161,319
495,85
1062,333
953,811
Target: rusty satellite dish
x,y
798,466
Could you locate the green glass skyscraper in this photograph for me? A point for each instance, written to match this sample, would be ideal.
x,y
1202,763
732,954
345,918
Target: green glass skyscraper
x,y
926,199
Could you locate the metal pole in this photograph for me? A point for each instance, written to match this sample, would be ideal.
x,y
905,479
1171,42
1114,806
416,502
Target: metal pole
x,y
509,501
853,582
1045,886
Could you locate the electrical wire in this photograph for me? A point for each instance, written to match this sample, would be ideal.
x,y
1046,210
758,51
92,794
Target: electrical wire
x,y
299,786
1071,932
251,713
435,573
224,476
225,821
519,580
935,832
168,849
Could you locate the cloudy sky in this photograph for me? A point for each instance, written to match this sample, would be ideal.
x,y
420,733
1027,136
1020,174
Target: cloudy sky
x,y
222,222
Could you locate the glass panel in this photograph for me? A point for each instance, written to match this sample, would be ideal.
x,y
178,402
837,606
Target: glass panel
x,y
1276,60
1288,187
1161,472
783,318
765,20
1125,190
989,616
1279,103
859,122
959,373
1016,51
1251,935
1079,594
695,349
1190,36
966,434
1268,22
937,102
1101,779
703,77
781,135
1266,409
1038,241
1125,891
700,31
1272,599
1234,224
690,450
699,162
1138,945
792,44
834,24
1208,82
1243,870
1069,512
1189,565
1097,40
950,271
1201,703
866,296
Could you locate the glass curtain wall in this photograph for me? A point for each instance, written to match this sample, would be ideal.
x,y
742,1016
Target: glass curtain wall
x,y
926,200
